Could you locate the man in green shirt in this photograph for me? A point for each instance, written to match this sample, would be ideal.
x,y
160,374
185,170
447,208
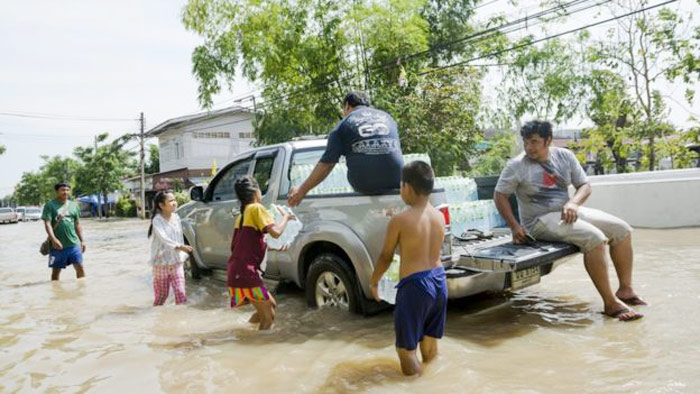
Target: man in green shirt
x,y
61,218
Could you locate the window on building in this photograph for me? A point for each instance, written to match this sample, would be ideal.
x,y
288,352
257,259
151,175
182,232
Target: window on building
x,y
247,135
211,134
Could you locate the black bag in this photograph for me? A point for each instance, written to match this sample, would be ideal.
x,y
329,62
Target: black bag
x,y
46,245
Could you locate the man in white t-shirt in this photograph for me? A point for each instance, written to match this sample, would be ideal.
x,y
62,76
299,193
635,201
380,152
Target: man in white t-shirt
x,y
540,178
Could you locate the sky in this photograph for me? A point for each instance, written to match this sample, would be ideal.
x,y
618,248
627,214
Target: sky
x,y
79,63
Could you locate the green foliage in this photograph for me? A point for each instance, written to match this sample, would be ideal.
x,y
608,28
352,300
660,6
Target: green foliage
x,y
152,166
35,188
494,158
438,117
104,168
182,198
544,81
126,207
306,54
2,149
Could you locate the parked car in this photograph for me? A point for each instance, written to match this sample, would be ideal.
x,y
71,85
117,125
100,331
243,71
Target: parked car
x,y
333,255
8,215
20,213
32,213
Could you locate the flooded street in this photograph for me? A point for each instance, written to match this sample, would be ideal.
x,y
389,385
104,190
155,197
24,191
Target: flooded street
x,y
101,334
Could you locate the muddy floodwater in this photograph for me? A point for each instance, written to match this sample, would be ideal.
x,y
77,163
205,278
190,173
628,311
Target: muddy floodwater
x,y
101,334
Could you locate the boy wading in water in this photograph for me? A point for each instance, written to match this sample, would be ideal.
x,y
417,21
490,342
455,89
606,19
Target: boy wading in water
x,y
421,299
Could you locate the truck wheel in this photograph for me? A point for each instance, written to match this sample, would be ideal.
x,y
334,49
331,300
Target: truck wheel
x,y
331,283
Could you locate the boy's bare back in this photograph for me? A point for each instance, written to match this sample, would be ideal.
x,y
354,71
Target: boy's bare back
x,y
421,233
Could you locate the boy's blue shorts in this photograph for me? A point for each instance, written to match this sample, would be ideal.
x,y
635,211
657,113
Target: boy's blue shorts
x,y
60,259
421,307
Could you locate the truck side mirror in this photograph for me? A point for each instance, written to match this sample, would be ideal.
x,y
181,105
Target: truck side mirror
x,y
197,193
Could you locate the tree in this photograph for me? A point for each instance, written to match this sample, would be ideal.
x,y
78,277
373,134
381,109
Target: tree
x,y
104,168
543,81
31,189
613,112
153,164
493,159
647,48
2,149
439,118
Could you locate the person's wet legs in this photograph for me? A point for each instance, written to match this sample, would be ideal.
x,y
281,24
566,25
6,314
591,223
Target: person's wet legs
x,y
409,362
79,271
622,257
597,269
428,348
55,273
264,311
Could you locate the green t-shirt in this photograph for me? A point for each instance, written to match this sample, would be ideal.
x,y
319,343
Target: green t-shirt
x,y
70,214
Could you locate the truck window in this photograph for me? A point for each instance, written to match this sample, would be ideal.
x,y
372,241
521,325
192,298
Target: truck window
x,y
223,190
263,172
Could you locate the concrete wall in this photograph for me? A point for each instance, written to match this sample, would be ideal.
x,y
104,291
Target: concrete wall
x,y
659,199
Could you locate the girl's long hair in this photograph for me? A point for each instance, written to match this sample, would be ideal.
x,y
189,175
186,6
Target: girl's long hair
x,y
157,200
245,188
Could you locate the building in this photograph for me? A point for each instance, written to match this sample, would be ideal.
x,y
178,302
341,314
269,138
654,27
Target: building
x,y
190,146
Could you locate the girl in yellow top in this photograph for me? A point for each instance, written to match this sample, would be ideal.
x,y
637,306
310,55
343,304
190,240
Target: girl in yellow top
x,y
248,249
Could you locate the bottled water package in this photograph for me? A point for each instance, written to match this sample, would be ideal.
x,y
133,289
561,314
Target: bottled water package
x,y
387,285
416,156
458,189
290,232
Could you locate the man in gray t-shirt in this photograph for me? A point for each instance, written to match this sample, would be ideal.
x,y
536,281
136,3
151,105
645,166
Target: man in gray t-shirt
x,y
540,178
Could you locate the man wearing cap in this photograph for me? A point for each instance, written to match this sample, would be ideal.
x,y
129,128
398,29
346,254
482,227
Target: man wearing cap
x,y
369,140
61,218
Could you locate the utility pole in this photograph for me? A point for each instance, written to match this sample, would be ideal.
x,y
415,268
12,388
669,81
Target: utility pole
x,y
98,193
142,163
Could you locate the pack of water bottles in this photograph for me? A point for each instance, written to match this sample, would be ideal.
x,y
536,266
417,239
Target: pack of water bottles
x,y
335,183
415,157
290,232
386,288
457,189
474,215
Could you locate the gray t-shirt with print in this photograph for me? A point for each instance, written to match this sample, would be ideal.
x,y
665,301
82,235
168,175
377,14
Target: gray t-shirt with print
x,y
541,187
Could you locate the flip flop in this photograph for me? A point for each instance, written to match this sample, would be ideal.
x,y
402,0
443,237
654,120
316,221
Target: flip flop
x,y
618,315
634,301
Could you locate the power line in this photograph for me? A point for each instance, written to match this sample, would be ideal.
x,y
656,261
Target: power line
x,y
35,115
496,53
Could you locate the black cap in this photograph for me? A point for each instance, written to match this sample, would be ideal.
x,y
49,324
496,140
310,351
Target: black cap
x,y
60,185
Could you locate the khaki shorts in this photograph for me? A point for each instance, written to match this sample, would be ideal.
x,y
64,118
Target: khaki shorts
x,y
591,228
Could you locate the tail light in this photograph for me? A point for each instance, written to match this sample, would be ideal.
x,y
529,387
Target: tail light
x,y
445,210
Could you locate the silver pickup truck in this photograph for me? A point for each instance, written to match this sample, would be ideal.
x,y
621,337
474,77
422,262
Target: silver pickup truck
x,y
333,255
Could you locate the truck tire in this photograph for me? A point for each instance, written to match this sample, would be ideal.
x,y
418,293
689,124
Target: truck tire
x,y
331,283
191,267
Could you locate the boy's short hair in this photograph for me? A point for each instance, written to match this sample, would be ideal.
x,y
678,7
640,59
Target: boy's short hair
x,y
60,185
420,176
543,128
357,97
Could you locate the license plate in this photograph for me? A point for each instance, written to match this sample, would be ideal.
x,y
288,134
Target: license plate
x,y
524,278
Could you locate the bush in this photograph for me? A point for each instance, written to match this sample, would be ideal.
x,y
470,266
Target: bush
x,y
126,207
182,198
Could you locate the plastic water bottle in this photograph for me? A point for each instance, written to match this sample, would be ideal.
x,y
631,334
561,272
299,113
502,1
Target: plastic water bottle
x,y
386,288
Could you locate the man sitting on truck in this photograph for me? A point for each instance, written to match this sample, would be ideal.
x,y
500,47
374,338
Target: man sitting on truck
x,y
369,140
540,178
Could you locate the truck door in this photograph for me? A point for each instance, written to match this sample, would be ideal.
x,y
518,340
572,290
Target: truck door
x,y
214,233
